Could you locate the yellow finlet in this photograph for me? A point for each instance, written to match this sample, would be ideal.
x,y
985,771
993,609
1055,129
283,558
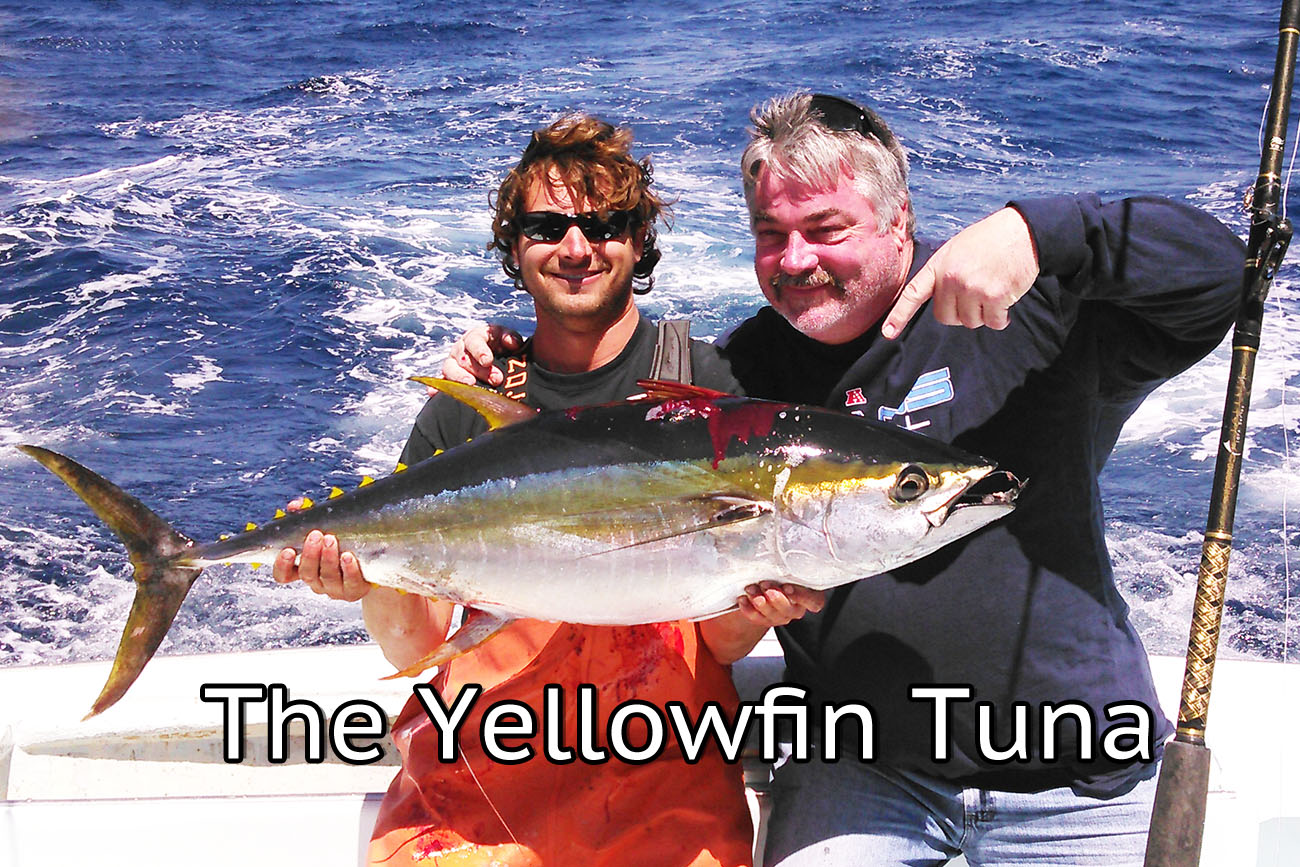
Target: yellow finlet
x,y
223,537
250,527
280,513
366,480
335,493
307,502
497,409
437,452
400,468
256,565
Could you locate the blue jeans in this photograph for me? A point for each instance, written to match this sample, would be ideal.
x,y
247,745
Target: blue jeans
x,y
849,813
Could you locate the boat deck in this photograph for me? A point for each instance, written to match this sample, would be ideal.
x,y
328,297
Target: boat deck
x,y
148,779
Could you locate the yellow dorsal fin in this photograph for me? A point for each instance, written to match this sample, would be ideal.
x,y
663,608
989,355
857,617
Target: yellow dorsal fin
x,y
335,493
366,480
498,409
279,513
250,527
308,502
400,468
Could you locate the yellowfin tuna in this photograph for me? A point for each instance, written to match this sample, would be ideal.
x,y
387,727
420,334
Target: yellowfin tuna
x,y
657,509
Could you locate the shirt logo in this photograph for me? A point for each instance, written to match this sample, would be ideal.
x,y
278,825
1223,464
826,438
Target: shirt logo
x,y
929,390
516,382
854,397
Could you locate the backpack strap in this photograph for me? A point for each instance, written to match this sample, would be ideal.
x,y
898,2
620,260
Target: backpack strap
x,y
673,352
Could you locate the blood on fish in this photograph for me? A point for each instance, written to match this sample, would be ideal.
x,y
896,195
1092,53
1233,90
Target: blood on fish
x,y
741,422
746,420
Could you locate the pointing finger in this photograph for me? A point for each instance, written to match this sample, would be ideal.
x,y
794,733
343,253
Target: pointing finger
x,y
914,294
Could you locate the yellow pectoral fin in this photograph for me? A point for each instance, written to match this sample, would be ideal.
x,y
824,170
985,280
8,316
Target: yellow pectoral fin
x,y
633,527
477,628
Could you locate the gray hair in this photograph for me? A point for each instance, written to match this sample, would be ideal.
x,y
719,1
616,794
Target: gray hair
x,y
790,139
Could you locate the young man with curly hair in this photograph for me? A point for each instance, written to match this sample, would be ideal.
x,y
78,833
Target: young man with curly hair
x,y
574,224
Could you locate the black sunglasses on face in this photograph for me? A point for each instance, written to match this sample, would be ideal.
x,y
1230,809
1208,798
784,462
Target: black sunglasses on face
x,y
549,226
844,116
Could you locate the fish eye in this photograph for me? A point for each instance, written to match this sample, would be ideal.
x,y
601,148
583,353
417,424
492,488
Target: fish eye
x,y
912,483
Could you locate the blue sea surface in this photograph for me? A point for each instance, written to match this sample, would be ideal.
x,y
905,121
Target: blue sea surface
x,y
229,232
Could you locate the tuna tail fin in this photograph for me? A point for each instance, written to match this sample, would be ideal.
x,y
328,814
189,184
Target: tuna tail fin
x,y
161,584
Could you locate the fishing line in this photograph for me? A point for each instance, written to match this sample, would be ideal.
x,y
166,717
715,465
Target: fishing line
x,y
1286,186
486,797
1286,456
1286,438
458,620
1286,532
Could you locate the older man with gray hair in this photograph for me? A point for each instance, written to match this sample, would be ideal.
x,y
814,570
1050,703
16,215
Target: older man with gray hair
x,y
1015,714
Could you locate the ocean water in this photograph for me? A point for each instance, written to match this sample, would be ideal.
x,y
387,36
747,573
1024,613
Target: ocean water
x,y
229,232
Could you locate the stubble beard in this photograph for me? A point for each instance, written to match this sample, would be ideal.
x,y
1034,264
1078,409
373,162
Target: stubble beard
x,y
584,311
853,306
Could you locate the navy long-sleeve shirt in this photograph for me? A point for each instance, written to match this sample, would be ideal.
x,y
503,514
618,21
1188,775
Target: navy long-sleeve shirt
x,y
1026,610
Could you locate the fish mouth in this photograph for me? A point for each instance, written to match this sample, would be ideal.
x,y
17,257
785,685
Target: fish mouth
x,y
997,488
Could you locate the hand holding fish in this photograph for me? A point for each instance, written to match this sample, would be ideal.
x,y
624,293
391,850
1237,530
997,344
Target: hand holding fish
x,y
974,278
772,604
407,627
469,360
322,568
764,605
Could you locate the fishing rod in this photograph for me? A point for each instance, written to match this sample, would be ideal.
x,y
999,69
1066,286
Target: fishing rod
x,y
1178,820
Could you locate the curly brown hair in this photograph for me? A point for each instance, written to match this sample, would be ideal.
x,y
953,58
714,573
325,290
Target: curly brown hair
x,y
592,160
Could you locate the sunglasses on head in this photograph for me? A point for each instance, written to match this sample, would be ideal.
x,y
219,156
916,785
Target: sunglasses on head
x,y
844,116
595,226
